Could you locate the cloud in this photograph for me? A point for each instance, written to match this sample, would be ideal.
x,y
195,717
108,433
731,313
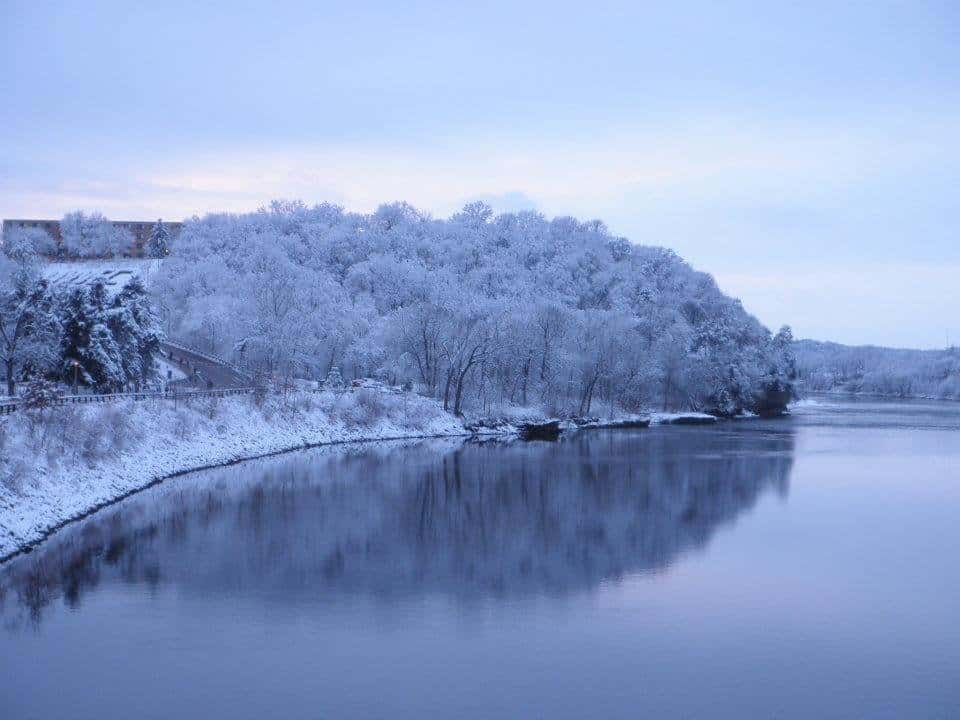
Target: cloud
x,y
745,201
715,163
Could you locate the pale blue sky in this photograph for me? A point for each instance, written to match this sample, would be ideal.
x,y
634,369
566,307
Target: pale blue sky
x,y
805,153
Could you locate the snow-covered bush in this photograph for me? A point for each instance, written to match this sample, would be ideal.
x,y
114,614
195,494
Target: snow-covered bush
x,y
370,405
102,431
39,395
211,407
16,458
334,380
185,423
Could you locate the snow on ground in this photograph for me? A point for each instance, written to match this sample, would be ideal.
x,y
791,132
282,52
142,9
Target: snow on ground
x,y
692,418
114,272
164,366
86,456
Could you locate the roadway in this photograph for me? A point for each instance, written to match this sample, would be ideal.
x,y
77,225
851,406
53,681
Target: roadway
x,y
202,371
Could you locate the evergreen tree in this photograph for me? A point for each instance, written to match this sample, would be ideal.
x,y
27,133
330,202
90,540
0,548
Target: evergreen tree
x,y
334,380
137,332
159,245
87,339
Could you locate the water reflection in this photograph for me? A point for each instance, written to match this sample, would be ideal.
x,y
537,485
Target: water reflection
x,y
464,521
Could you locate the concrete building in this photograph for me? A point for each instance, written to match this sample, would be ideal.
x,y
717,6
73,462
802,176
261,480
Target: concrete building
x,y
139,229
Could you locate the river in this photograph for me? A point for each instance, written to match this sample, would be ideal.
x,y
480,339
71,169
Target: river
x,y
793,568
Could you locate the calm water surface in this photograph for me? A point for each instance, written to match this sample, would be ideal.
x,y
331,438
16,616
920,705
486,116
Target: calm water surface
x,y
798,568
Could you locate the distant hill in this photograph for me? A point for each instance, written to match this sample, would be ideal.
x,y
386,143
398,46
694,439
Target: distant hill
x,y
869,369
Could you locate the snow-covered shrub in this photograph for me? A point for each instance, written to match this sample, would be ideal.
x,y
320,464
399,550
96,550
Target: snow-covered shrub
x,y
361,408
91,441
124,424
334,380
59,426
16,456
303,403
184,422
211,407
371,405
39,395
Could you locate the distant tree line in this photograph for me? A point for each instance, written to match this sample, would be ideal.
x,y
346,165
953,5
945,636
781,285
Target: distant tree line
x,y
890,372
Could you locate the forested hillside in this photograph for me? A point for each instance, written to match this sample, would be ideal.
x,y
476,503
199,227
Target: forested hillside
x,y
480,311
894,372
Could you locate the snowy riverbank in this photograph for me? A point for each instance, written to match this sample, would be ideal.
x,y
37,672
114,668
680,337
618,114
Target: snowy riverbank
x,y
73,460
80,458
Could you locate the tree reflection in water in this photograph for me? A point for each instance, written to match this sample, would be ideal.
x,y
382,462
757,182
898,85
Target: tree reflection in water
x,y
467,521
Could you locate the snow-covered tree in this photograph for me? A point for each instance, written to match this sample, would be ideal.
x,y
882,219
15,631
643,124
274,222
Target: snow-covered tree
x,y
29,327
109,343
334,380
27,243
88,341
92,236
136,331
158,246
784,354
476,309
39,395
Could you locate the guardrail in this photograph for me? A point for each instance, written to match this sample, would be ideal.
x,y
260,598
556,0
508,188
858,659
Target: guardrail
x,y
11,406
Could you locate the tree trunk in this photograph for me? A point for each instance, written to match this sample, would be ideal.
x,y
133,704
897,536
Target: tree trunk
x,y
446,389
526,377
459,394
11,385
587,395
543,358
